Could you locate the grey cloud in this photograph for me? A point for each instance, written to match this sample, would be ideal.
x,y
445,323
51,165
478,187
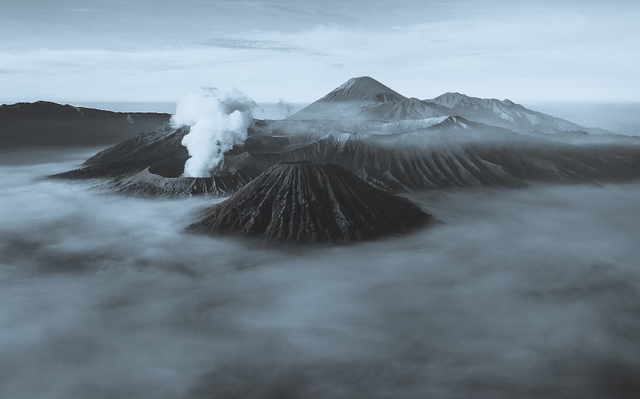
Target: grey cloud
x,y
268,45
83,10
312,12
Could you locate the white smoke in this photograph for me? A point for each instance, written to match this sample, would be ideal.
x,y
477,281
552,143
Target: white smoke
x,y
217,122
285,108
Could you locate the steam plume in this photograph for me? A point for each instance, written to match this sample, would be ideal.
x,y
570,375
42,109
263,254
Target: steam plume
x,y
285,107
217,122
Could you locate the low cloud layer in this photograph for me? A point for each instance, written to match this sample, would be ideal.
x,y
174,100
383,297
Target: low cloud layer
x,y
522,293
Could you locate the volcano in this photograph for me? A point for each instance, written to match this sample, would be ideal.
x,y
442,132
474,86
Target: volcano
x,y
311,203
364,89
390,141
349,99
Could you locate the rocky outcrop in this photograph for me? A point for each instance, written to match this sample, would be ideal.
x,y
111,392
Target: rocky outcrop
x,y
148,184
311,203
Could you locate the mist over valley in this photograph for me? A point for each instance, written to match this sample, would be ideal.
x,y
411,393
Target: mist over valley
x,y
522,292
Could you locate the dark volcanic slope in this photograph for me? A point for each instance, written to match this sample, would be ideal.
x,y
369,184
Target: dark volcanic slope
x,y
44,123
388,140
453,153
162,146
305,202
160,150
448,155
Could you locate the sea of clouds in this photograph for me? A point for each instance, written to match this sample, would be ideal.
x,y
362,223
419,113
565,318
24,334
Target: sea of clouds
x,y
517,294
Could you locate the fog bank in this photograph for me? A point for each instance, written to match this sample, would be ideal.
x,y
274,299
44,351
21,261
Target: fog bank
x,y
621,118
520,293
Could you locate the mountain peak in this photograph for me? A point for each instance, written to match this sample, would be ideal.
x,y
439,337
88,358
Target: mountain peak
x,y
363,88
308,202
454,94
347,100
454,99
362,79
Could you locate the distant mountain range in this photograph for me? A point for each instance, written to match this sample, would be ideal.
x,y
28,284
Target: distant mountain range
x,y
44,124
360,105
506,114
389,141
364,98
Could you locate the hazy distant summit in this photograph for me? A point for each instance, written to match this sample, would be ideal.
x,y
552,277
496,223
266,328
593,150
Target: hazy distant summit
x,y
507,114
365,99
349,99
362,89
360,104
454,99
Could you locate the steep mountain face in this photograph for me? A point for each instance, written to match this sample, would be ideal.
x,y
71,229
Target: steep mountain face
x,y
44,123
506,114
347,100
162,152
162,145
408,109
362,89
437,153
457,154
311,203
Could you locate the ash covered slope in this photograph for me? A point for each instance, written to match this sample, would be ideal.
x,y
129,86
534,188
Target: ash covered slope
x,y
304,202
506,114
45,123
159,150
162,145
452,152
440,153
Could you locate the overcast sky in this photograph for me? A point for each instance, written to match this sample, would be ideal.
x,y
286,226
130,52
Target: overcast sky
x,y
155,50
